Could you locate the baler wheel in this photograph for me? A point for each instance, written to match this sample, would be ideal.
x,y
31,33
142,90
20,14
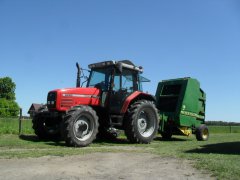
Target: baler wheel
x,y
141,124
202,133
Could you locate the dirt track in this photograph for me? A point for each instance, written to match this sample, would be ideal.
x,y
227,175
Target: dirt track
x,y
99,166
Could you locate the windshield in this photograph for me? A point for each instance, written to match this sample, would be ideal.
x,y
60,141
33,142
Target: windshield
x,y
126,81
99,78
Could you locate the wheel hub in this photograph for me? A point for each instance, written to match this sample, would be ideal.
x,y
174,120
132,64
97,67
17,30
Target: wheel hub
x,y
82,129
145,124
205,133
142,124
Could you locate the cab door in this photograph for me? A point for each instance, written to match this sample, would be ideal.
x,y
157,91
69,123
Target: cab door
x,y
124,84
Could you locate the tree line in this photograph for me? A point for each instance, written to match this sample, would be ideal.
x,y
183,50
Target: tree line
x,y
222,123
8,105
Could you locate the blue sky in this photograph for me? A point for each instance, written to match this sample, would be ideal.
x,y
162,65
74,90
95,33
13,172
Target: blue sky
x,y
40,42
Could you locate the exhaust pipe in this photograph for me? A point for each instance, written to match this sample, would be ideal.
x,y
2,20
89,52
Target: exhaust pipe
x,y
78,75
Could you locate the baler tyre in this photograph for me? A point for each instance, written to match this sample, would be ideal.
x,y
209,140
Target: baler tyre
x,y
202,133
42,130
141,124
80,126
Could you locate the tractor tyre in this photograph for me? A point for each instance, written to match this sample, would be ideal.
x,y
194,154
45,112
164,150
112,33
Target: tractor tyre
x,y
80,126
42,129
142,123
202,133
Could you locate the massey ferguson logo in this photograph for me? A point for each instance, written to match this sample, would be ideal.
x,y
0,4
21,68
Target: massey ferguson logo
x,y
80,95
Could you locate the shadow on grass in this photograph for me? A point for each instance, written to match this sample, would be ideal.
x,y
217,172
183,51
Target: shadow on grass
x,y
31,138
59,142
112,141
220,148
171,139
34,138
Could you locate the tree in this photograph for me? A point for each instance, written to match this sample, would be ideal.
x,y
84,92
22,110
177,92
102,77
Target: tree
x,y
8,105
8,108
7,88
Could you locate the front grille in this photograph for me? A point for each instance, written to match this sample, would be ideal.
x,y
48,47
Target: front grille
x,y
66,102
51,99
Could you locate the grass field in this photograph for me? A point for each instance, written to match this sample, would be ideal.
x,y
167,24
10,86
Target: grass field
x,y
220,154
224,129
11,126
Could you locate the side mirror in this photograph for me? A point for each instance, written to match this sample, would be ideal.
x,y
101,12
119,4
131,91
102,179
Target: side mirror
x,y
119,67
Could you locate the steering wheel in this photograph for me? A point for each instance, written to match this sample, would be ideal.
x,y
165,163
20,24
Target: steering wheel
x,y
100,85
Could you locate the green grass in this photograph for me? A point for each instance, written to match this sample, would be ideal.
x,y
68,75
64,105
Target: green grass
x,y
220,155
224,129
11,126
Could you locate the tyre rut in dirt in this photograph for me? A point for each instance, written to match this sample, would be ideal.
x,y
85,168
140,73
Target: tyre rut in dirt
x,y
202,133
80,126
141,124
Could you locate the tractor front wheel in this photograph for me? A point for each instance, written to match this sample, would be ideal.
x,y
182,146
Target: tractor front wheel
x,y
80,126
141,124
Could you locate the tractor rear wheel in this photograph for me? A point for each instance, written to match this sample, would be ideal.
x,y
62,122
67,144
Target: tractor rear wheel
x,y
80,126
202,133
141,124
44,127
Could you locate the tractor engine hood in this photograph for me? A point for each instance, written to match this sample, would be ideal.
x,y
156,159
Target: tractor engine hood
x,y
64,99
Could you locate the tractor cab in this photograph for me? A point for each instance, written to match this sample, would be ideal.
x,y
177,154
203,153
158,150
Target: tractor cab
x,y
117,80
115,75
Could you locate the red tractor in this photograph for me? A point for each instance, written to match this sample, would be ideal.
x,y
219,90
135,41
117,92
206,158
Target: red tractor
x,y
112,99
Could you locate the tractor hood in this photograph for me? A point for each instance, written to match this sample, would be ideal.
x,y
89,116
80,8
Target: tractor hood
x,y
64,99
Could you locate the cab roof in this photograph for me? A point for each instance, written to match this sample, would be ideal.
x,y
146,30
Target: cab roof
x,y
124,63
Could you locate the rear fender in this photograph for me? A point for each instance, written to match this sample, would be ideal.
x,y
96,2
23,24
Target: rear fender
x,y
134,97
